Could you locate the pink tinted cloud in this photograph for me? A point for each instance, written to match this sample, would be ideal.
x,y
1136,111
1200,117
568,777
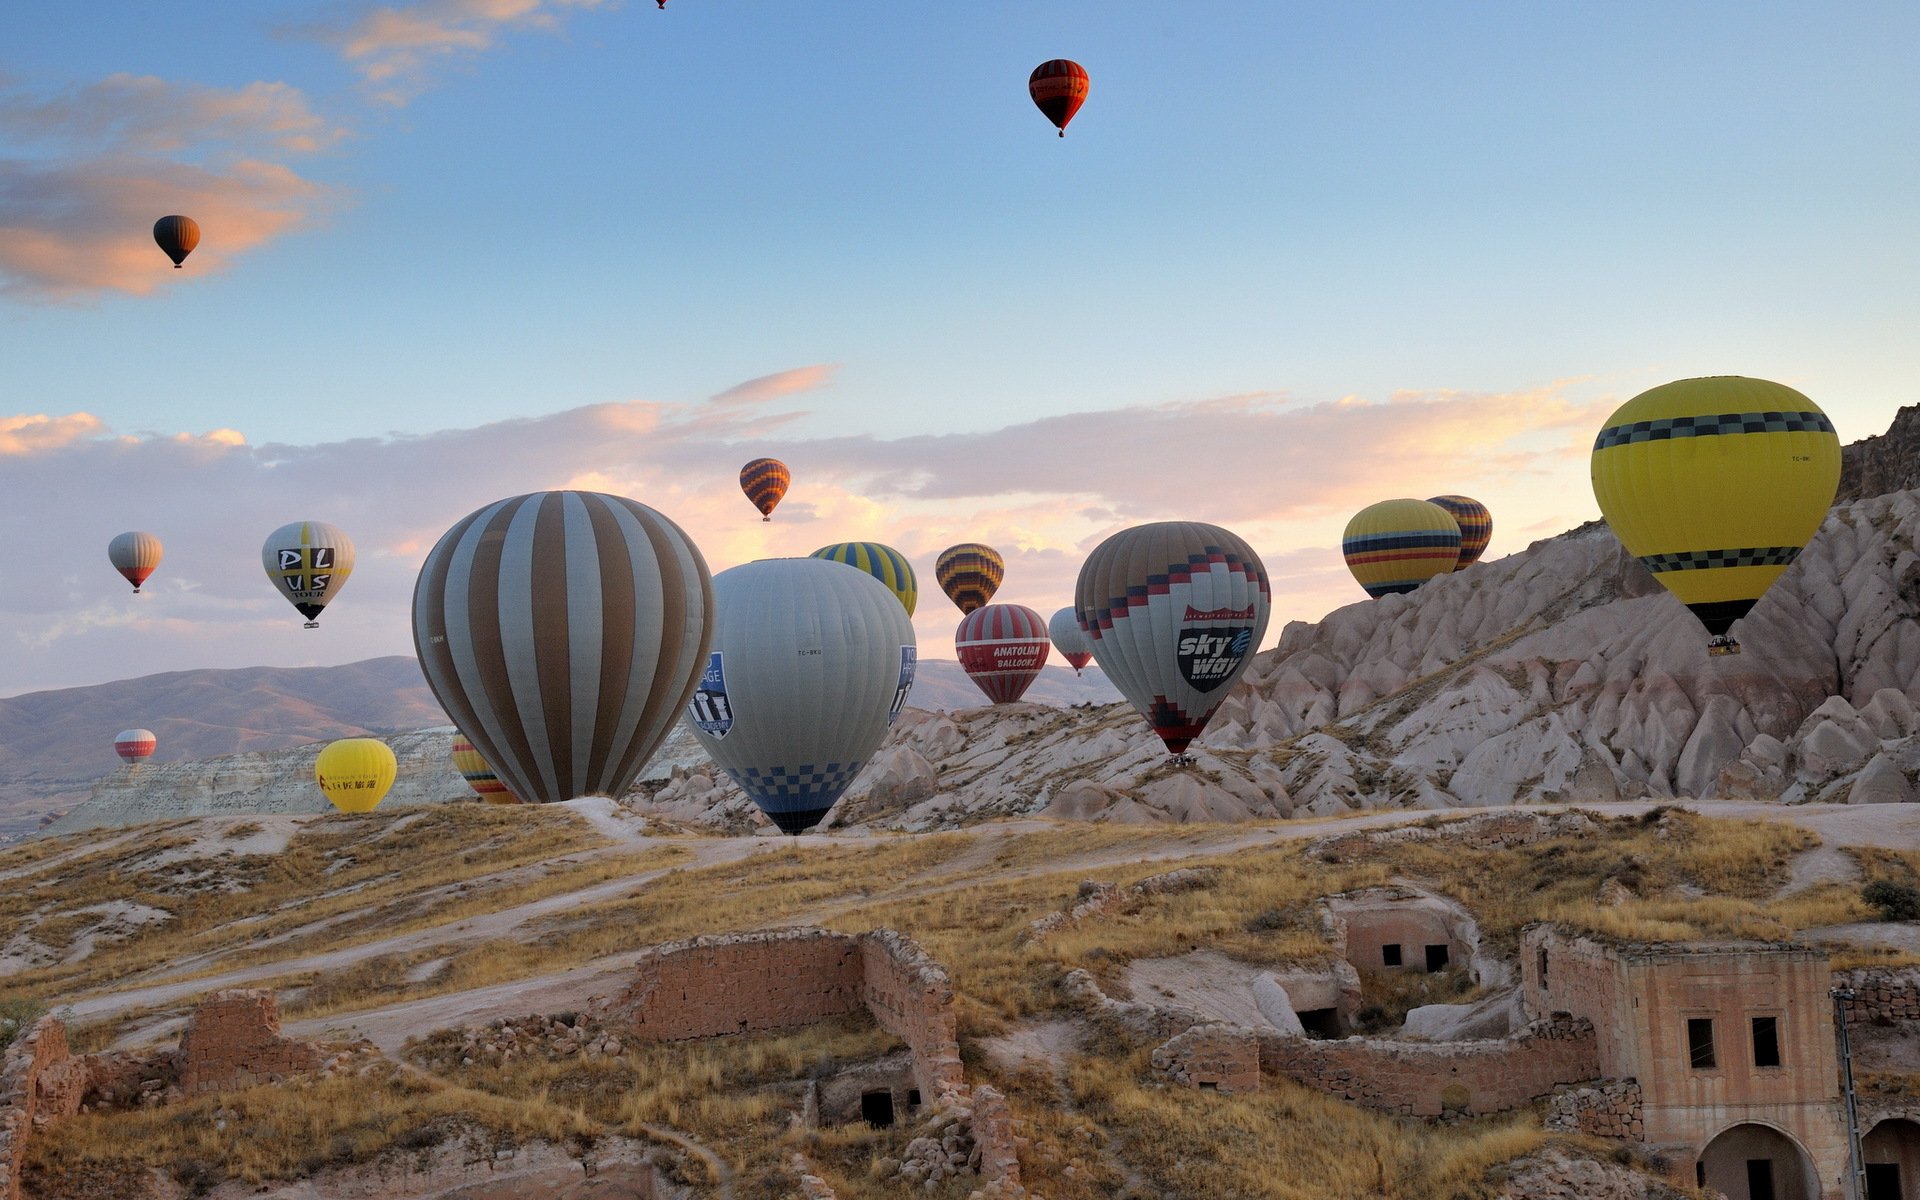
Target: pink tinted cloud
x,y
76,217
394,47
780,383
1284,477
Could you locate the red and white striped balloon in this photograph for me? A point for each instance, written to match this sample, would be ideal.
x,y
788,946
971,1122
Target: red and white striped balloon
x,y
1002,647
135,745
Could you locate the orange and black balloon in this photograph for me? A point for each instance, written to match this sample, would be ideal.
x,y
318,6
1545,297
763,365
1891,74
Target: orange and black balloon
x,y
765,480
1059,88
177,236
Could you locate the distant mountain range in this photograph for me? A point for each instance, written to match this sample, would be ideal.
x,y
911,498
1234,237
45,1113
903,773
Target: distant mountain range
x,y
55,746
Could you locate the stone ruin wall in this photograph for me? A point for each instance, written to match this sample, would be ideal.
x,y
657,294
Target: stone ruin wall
x,y
1223,1057
1881,996
233,1041
1609,1109
911,997
38,1082
1583,981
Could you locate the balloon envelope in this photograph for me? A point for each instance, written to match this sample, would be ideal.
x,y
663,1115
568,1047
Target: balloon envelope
x,y
1716,485
134,554
1397,545
1002,647
765,480
135,745
1069,639
884,563
308,562
479,776
1175,611
177,236
1476,527
810,664
969,574
1059,87
355,773
563,633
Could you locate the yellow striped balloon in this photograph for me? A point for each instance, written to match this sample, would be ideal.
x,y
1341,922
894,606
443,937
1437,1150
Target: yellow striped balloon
x,y
1716,485
1397,545
882,562
355,773
1476,526
969,574
479,776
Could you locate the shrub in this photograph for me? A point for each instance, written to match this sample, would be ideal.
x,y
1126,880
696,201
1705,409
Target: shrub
x,y
1895,901
16,1014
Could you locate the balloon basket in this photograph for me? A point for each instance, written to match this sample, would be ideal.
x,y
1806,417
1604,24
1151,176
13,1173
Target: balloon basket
x,y
311,625
1722,646
766,518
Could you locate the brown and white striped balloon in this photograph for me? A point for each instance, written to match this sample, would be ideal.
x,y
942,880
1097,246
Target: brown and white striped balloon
x,y
564,633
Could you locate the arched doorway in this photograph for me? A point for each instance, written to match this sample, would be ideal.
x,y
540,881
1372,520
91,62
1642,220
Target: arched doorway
x,y
1892,1153
1755,1162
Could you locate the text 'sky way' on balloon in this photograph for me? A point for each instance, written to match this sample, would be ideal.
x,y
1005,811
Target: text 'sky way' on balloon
x,y
1069,639
479,776
1175,611
1716,485
810,664
969,574
765,480
1397,545
1059,87
884,563
135,745
1002,648
563,632
176,236
135,555
308,563
1476,527
355,773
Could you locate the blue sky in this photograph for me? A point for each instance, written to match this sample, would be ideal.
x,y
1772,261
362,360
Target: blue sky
x,y
561,205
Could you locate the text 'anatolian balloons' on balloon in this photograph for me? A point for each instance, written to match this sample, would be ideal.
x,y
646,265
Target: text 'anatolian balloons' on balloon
x,y
1397,545
1059,87
1716,485
884,563
765,481
134,554
563,633
355,773
1069,639
810,664
1476,527
176,236
1002,648
479,776
1175,611
308,563
135,745
969,574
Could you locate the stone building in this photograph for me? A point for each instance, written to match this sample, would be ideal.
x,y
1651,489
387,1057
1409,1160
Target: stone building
x,y
1732,1048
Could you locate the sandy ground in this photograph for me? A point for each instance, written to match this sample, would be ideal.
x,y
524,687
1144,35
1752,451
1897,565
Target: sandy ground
x,y
1212,987
1206,981
1047,1043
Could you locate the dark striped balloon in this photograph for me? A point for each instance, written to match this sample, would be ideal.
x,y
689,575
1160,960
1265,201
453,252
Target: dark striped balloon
x,y
765,480
176,236
564,632
1059,87
969,574
1002,648
1476,526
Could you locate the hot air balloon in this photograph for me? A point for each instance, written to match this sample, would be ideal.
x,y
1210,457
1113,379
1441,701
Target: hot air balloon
x,y
1059,88
1002,648
479,776
969,574
1716,485
1069,639
884,563
134,554
355,773
177,236
563,633
810,664
1397,545
135,745
765,480
308,561
1175,611
1476,527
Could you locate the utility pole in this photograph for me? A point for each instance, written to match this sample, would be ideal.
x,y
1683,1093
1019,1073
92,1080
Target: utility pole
x,y
1856,1161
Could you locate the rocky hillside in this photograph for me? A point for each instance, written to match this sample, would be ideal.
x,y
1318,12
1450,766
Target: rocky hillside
x,y
1888,462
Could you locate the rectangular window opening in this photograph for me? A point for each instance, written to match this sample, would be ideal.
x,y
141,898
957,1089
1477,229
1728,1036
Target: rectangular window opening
x,y
1760,1179
1390,954
1438,957
1543,966
1700,1042
1766,1042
